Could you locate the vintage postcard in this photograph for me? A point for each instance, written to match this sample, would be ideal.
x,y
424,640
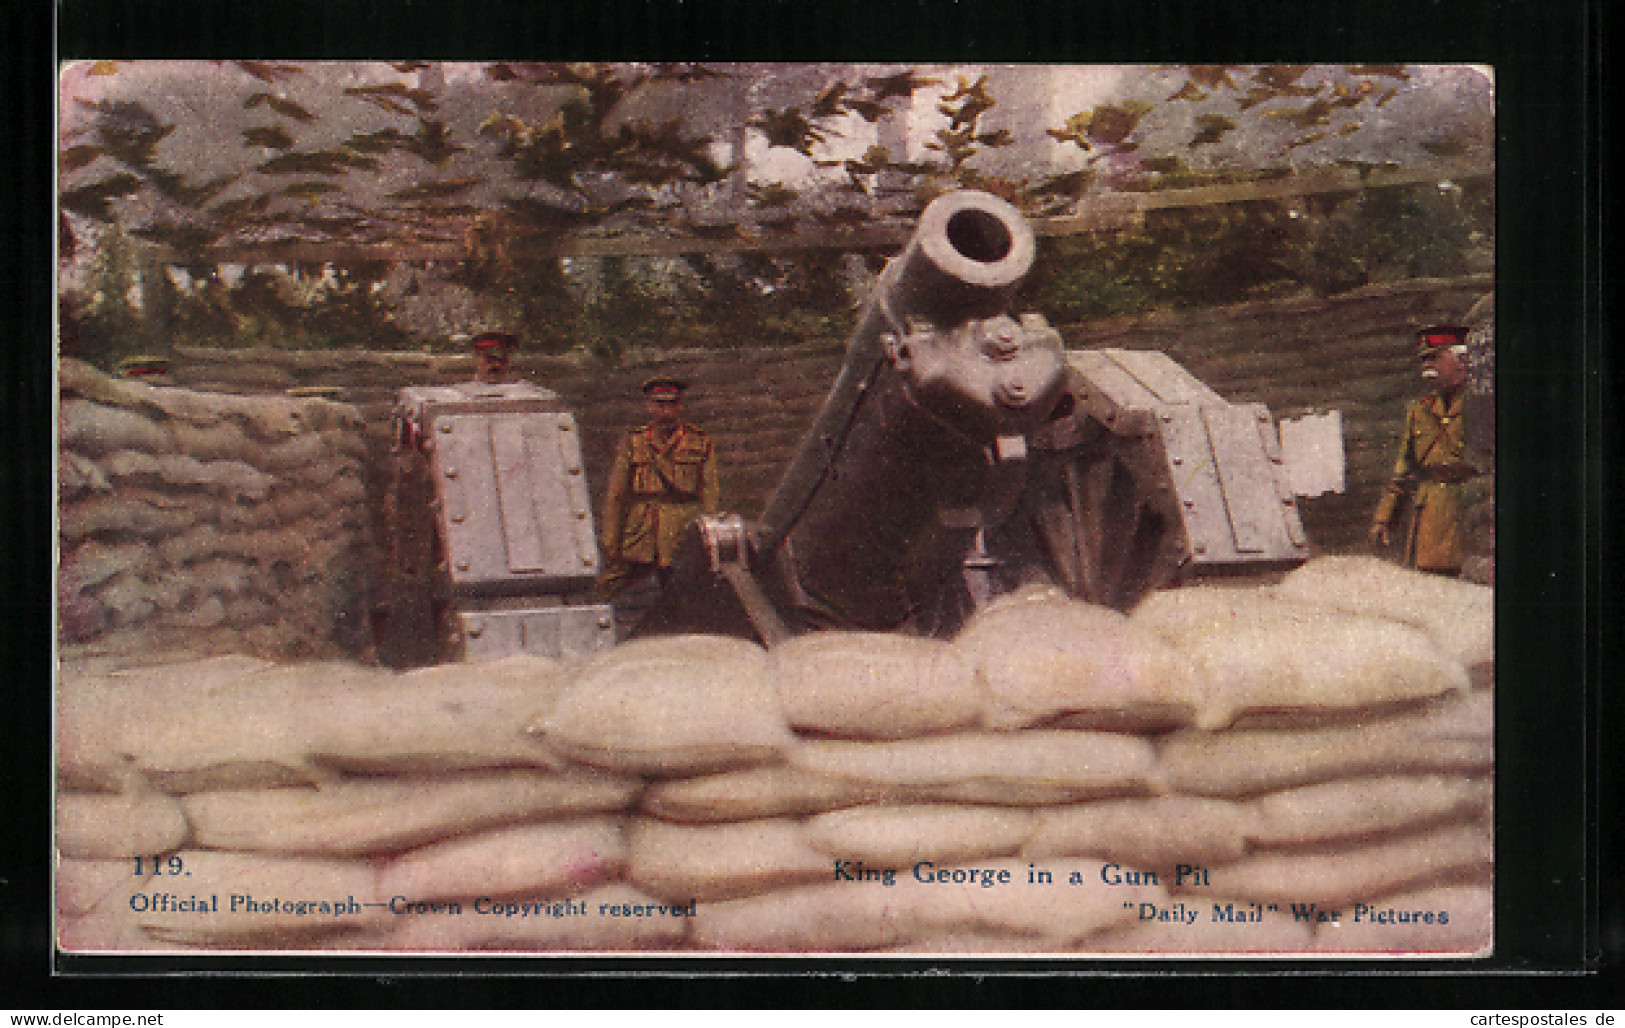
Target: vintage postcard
x,y
775,510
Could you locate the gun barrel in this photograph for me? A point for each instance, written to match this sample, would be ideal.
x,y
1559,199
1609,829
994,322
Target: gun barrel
x,y
966,256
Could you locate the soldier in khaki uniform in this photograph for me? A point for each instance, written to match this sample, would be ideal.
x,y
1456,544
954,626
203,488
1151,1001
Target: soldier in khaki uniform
x,y
1432,462
665,475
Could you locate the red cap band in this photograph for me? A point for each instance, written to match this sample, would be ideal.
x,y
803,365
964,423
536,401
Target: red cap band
x,y
1442,335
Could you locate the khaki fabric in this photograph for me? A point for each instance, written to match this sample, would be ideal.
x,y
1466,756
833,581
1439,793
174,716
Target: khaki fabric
x,y
1435,437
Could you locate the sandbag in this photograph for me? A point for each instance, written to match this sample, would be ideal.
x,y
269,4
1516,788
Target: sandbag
x,y
216,724
218,440
94,562
450,717
1338,877
296,452
1469,717
772,790
680,863
604,919
1205,926
1074,763
269,418
1458,616
255,896
872,685
353,818
102,826
228,478
140,512
1237,764
77,474
94,715
82,885
196,543
558,858
676,706
1458,920
1041,655
1293,663
1158,832
205,614
125,464
95,430
1364,807
109,925
897,836
218,576
82,379
867,914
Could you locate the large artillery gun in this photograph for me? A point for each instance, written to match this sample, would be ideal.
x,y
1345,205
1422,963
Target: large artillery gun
x,y
963,452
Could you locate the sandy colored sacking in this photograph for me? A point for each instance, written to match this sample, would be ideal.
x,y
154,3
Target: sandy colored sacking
x,y
550,859
1093,762
359,817
1155,832
1260,655
680,863
695,705
1039,655
771,790
1459,616
1344,876
1363,807
101,826
871,685
898,836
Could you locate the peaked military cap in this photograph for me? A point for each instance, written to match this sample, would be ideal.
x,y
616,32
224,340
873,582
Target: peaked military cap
x,y
664,387
145,366
1437,336
487,341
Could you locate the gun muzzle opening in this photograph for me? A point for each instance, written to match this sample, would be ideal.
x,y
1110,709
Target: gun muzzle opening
x,y
979,235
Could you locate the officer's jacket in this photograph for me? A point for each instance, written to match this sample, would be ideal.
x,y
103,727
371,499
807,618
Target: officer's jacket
x,y
656,487
1431,460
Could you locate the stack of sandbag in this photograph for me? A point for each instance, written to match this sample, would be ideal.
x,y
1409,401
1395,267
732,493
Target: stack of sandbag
x,y
1342,725
1226,770
209,522
233,803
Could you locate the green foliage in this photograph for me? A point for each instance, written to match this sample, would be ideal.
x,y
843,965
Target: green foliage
x,y
1228,253
103,323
